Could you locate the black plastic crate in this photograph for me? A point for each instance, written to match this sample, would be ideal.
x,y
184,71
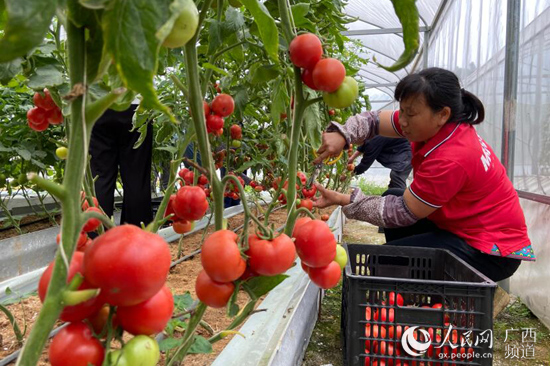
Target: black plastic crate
x,y
441,295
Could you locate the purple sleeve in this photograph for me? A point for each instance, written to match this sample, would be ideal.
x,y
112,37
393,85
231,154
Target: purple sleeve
x,y
388,211
358,128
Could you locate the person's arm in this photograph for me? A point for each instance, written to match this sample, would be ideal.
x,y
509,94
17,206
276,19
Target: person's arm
x,y
357,129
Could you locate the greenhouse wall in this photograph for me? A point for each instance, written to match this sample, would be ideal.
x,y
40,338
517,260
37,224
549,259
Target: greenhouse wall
x,y
469,40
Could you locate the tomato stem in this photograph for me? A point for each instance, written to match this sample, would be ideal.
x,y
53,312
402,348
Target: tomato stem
x,y
71,298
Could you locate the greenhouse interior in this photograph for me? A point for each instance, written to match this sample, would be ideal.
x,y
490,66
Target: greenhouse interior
x,y
274,182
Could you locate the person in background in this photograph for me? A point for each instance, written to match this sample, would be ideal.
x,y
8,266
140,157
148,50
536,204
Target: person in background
x,y
112,148
460,199
394,154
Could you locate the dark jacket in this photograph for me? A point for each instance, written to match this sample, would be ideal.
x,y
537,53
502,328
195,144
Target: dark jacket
x,y
392,153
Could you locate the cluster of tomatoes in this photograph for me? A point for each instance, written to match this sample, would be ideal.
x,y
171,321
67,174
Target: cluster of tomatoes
x,y
231,189
321,257
129,266
222,106
44,113
189,203
324,74
446,344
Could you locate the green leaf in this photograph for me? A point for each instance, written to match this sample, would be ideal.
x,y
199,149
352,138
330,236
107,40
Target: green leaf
x,y
165,131
170,328
208,65
234,20
45,76
200,345
24,153
299,12
241,98
171,149
279,101
259,286
263,73
236,52
266,26
27,23
169,343
130,35
9,69
232,306
215,36
313,124
183,302
245,166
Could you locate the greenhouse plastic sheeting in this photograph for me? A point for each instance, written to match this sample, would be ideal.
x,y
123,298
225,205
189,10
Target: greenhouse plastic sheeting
x,y
386,48
469,39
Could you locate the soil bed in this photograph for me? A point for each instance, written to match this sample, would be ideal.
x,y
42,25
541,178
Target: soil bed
x,y
181,279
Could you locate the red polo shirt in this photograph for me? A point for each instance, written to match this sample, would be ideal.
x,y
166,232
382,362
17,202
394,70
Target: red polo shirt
x,y
459,174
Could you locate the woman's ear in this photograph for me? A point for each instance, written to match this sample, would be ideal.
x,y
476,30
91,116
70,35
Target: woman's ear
x,y
445,115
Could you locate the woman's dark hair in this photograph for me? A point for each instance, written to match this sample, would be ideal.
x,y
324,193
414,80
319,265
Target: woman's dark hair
x,y
441,88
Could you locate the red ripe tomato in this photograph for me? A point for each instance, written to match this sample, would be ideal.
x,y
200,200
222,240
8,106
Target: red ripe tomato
x,y
203,179
190,203
92,224
149,317
328,74
85,204
189,177
37,116
212,293
331,112
307,78
44,101
170,208
305,50
315,244
82,240
236,132
301,221
259,188
350,167
182,226
76,312
325,217
393,300
206,108
183,172
326,277
223,105
214,123
306,203
38,127
54,116
304,267
129,264
75,345
270,258
99,320
303,178
308,193
221,258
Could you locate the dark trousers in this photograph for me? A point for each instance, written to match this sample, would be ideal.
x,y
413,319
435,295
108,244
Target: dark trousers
x,y
424,233
111,148
398,179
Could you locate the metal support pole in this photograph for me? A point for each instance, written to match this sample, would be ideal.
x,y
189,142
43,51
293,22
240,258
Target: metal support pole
x,y
425,49
511,61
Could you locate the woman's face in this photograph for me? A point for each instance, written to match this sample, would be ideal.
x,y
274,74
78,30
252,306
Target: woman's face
x,y
418,121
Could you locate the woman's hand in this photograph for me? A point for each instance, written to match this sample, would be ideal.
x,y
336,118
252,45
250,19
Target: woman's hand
x,y
330,198
332,144
353,157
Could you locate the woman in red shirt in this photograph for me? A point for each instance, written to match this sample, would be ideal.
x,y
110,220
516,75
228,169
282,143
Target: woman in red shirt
x,y
460,199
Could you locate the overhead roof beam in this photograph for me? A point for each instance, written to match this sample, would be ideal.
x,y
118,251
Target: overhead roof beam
x,y
368,32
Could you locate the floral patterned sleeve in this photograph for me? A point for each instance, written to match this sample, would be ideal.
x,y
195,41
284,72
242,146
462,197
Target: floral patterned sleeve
x,y
358,128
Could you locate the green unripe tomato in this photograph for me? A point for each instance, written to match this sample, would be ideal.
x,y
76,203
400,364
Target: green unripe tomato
x,y
338,119
344,96
341,256
117,358
185,26
22,179
236,144
62,152
141,351
14,183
